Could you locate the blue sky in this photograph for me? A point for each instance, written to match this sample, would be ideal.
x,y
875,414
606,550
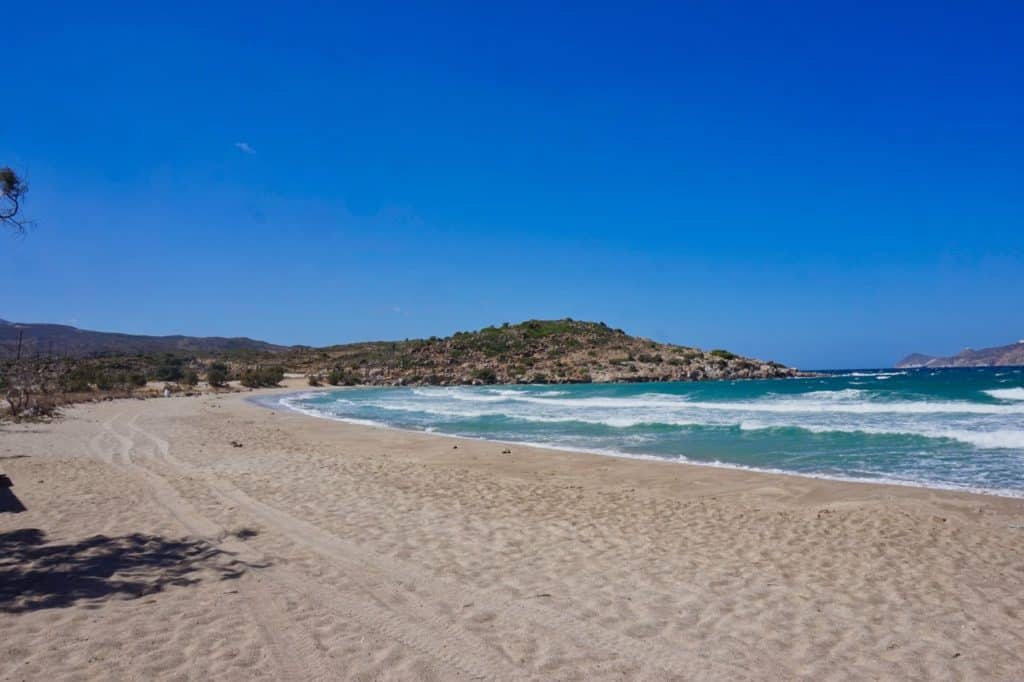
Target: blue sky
x,y
828,184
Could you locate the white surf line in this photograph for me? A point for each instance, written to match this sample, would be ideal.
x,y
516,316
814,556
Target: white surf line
x,y
657,653
1007,393
680,459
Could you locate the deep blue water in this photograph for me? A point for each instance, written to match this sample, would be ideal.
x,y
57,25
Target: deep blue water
x,y
949,428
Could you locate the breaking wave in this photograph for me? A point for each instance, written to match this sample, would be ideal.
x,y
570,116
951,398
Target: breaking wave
x,y
937,427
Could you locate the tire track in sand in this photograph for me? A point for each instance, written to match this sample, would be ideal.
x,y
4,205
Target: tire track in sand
x,y
285,651
459,650
654,655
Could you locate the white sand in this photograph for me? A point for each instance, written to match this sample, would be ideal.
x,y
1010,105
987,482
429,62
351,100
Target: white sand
x,y
154,549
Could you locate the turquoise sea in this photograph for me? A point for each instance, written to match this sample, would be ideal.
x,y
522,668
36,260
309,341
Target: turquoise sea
x,y
943,428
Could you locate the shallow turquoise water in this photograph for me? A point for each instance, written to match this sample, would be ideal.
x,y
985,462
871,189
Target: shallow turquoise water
x,y
954,428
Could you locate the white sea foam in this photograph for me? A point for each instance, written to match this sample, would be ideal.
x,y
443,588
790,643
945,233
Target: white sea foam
x,y
998,439
937,441
784,415
841,394
1001,438
847,410
458,394
294,402
855,476
797,406
850,400
805,404
1007,393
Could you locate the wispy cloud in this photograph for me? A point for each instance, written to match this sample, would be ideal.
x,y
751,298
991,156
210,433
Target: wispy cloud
x,y
245,147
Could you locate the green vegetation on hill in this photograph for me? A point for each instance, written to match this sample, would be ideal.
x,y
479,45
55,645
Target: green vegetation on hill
x,y
259,377
535,351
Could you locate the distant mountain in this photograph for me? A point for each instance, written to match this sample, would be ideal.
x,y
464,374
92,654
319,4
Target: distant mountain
x,y
59,339
998,356
916,360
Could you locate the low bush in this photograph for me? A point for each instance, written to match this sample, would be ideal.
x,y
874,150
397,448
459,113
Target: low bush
x,y
217,375
169,369
78,380
486,375
339,376
260,377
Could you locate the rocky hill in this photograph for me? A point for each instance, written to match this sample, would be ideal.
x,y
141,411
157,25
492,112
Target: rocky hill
x,y
997,356
62,340
537,351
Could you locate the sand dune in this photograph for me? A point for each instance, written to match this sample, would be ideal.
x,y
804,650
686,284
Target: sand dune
x,y
153,548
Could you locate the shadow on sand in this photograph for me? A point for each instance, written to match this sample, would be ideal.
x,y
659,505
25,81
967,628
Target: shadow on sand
x,y
35,575
9,502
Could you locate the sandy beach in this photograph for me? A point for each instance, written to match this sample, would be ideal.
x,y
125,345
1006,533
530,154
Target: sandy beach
x,y
195,538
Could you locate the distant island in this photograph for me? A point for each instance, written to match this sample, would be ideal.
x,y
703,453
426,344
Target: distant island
x,y
997,356
535,351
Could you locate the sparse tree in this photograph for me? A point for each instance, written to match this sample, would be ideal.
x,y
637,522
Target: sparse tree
x,y
29,386
217,375
12,191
